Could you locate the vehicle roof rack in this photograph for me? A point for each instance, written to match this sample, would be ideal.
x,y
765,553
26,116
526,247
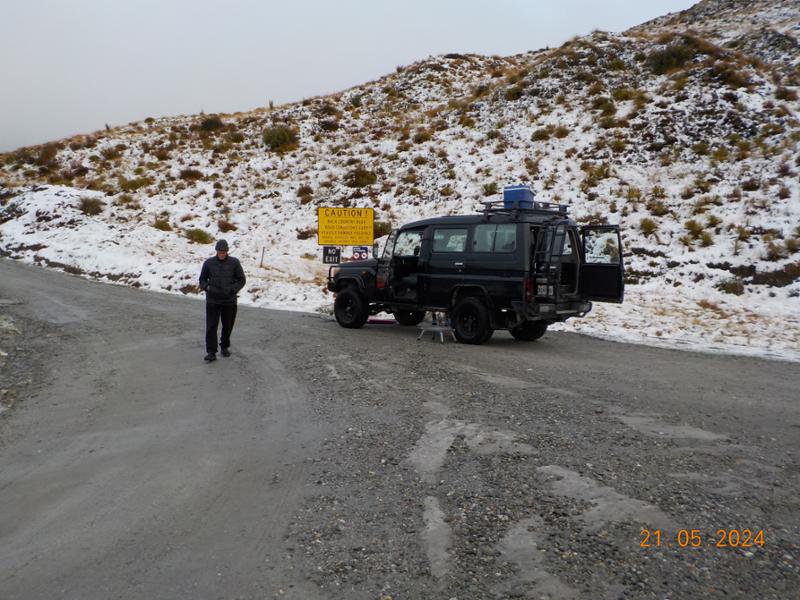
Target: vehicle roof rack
x,y
500,207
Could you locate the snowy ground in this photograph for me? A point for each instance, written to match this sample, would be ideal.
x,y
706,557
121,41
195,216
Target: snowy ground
x,y
764,322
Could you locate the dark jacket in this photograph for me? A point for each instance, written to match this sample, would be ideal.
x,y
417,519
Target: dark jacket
x,y
221,280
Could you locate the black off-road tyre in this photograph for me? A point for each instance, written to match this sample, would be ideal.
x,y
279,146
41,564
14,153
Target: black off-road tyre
x,y
529,331
409,317
470,322
350,308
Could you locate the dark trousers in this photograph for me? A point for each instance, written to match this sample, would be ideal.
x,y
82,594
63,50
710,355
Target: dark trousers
x,y
214,314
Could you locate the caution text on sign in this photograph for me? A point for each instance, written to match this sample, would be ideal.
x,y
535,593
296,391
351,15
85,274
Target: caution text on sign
x,y
345,226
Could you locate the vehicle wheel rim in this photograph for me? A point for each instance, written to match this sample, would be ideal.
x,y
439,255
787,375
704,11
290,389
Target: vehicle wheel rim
x,y
348,310
468,323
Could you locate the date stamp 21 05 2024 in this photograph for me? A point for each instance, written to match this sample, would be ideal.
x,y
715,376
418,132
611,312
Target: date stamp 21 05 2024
x,y
695,538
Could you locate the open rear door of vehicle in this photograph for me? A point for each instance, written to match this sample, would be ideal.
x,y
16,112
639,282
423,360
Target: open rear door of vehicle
x,y
602,270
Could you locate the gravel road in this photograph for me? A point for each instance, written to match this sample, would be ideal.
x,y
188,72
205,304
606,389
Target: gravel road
x,y
318,462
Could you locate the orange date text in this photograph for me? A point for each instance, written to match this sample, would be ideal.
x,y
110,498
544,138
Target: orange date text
x,y
695,538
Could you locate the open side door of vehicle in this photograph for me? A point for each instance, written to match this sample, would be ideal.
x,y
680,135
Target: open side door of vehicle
x,y
602,271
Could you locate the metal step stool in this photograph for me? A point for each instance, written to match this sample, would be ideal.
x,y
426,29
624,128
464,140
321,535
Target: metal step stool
x,y
439,325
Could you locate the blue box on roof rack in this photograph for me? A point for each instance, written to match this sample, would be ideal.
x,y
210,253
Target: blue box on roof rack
x,y
517,196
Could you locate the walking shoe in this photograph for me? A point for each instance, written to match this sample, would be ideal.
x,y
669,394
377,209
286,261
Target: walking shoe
x,y
210,357
225,352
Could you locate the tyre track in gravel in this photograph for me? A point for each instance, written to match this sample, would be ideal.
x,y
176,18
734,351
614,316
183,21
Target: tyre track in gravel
x,y
611,452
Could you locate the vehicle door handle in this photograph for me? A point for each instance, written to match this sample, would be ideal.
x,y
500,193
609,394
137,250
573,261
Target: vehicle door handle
x,y
458,264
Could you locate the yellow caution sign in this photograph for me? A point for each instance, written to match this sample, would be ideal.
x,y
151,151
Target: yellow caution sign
x,y
345,226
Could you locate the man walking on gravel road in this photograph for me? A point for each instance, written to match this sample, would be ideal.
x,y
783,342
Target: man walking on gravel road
x,y
221,278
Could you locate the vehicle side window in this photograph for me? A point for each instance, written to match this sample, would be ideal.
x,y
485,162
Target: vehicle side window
x,y
505,240
449,240
569,252
483,238
495,238
408,243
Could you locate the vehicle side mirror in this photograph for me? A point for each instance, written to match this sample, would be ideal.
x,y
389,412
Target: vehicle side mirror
x,y
375,250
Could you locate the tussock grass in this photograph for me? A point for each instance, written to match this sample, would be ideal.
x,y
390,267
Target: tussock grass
x,y
198,236
91,206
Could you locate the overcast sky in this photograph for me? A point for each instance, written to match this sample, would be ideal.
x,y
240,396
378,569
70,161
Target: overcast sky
x,y
70,66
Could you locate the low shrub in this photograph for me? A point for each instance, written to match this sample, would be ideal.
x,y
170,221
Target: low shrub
x,y
543,134
465,120
751,185
305,234
211,123
514,93
162,225
675,56
720,154
329,125
733,286
728,74
191,174
605,105
131,185
381,228
91,206
624,94
112,152
280,138
360,177
47,154
776,251
225,226
198,236
305,192
786,94
657,208
422,135
489,189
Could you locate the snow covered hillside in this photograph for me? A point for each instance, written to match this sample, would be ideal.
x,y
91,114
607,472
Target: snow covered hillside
x,y
683,130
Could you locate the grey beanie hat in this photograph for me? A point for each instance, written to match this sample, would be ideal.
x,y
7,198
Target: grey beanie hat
x,y
221,245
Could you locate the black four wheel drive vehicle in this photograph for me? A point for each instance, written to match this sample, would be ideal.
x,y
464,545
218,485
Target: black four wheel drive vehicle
x,y
516,269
